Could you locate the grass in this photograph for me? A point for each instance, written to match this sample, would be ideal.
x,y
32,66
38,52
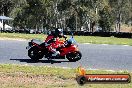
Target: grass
x,y
79,39
21,76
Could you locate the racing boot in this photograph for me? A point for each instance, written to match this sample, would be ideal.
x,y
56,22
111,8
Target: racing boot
x,y
55,53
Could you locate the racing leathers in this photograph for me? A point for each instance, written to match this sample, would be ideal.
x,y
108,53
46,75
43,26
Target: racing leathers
x,y
52,43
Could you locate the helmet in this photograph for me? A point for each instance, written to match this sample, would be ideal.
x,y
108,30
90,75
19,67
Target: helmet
x,y
59,32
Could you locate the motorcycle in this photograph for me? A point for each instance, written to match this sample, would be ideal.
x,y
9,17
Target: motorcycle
x,y
37,50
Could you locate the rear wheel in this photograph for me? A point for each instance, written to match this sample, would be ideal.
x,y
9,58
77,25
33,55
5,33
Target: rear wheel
x,y
74,56
35,54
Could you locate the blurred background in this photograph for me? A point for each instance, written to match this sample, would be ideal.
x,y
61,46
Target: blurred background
x,y
82,17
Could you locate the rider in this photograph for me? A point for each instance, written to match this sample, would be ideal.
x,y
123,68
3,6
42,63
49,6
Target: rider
x,y
52,41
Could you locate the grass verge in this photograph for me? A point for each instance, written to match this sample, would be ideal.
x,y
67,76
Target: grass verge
x,y
21,76
79,39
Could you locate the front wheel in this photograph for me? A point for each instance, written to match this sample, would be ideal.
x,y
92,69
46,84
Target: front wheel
x,y
74,56
35,54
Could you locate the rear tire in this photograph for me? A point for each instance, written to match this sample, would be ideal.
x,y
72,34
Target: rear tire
x,y
35,54
74,56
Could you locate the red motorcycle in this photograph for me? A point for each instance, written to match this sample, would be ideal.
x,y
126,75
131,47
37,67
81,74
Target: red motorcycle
x,y
37,50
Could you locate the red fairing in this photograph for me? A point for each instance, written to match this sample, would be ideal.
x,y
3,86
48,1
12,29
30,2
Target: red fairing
x,y
49,38
53,45
66,50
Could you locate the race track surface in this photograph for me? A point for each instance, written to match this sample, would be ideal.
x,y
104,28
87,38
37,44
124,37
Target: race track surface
x,y
94,56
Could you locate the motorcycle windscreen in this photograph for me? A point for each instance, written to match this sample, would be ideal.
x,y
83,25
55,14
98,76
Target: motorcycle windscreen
x,y
72,40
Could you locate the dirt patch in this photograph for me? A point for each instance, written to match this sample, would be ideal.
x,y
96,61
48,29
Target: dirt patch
x,y
126,29
28,80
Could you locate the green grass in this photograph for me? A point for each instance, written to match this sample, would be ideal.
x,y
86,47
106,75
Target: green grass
x,y
22,36
21,76
79,39
103,40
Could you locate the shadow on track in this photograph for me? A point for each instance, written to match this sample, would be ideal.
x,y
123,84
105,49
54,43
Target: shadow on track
x,y
39,61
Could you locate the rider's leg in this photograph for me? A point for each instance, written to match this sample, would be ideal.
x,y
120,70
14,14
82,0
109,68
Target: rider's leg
x,y
53,48
55,53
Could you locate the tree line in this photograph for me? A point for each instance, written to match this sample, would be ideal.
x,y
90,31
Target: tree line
x,y
68,14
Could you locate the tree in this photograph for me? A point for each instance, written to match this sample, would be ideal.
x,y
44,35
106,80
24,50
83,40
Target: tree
x,y
105,21
121,12
74,14
31,15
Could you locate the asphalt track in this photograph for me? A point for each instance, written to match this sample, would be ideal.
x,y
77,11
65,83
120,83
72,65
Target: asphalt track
x,y
94,56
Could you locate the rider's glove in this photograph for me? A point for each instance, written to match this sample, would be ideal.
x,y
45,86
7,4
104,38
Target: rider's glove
x,y
64,36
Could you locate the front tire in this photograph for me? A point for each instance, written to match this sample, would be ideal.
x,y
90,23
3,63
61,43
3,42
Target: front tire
x,y
35,54
74,56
